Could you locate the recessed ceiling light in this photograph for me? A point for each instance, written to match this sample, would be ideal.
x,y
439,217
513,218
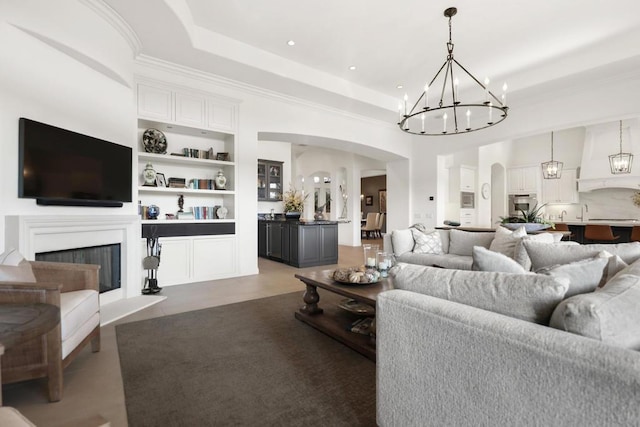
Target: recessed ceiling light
x,y
399,87
291,43
353,67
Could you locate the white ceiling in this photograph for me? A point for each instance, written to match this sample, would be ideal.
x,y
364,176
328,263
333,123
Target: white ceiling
x,y
524,43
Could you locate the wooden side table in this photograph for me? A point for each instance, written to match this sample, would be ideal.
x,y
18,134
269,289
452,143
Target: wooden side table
x,y
20,323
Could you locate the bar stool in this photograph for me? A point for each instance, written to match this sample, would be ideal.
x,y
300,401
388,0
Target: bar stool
x,y
635,234
599,233
564,227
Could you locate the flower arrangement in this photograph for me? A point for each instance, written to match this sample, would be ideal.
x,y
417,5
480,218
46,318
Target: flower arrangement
x,y
636,199
294,200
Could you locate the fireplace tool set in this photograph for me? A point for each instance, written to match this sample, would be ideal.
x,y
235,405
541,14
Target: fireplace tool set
x,y
151,263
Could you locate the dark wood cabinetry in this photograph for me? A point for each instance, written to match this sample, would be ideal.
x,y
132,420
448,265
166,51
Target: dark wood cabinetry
x,y
269,181
298,244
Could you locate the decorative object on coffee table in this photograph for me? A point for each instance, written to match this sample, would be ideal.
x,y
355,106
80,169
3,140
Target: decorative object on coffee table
x,y
154,141
532,220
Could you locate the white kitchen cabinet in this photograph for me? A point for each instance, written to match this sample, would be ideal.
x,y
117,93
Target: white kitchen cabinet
x,y
467,217
562,190
461,179
220,115
190,109
523,180
155,103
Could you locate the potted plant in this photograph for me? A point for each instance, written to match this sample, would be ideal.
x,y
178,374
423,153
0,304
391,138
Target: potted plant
x,y
532,219
294,203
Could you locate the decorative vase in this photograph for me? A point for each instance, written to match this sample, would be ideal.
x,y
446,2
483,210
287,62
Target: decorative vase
x,y
149,175
221,180
292,215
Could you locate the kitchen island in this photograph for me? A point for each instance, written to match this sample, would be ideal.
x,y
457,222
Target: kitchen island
x,y
620,227
298,243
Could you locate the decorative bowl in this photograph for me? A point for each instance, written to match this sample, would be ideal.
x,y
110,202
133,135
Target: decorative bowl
x,y
528,226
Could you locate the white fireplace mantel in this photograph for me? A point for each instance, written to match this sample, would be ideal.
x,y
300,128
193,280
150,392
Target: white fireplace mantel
x,y
32,234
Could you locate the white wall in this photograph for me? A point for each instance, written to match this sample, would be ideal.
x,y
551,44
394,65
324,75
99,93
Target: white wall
x,y
62,64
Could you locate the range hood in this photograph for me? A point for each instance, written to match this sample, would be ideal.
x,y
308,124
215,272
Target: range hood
x,y
601,141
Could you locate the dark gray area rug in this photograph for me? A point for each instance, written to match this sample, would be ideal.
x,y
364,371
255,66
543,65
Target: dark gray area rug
x,y
250,363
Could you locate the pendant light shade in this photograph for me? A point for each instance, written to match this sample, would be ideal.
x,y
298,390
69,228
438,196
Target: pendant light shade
x,y
621,162
551,169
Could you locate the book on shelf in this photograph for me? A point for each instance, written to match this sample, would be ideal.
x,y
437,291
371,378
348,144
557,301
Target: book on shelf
x,y
186,215
205,212
198,154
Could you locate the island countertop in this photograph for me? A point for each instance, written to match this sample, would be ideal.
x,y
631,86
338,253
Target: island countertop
x,y
298,222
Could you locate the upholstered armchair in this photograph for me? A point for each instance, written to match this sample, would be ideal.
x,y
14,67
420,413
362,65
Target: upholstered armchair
x,y
73,288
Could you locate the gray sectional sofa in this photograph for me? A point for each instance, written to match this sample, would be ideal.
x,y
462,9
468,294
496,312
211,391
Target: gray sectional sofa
x,y
465,348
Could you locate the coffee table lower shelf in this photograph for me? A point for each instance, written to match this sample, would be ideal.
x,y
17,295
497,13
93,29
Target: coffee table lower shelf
x,y
336,323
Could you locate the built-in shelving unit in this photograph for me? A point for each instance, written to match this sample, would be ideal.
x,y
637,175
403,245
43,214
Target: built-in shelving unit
x,y
192,249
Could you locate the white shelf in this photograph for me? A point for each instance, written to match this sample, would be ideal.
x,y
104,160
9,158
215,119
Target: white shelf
x,y
169,190
185,221
167,158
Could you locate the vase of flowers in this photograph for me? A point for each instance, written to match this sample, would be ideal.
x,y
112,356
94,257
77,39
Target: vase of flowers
x,y
294,203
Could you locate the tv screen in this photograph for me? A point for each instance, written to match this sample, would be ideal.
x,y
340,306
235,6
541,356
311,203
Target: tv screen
x,y
58,165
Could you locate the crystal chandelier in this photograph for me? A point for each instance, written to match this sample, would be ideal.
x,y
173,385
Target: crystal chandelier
x,y
620,162
551,169
450,115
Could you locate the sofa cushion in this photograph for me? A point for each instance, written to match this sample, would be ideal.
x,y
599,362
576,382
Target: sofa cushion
x,y
487,260
505,240
462,242
76,307
426,243
615,264
459,262
520,253
14,268
529,296
610,314
402,241
542,255
584,275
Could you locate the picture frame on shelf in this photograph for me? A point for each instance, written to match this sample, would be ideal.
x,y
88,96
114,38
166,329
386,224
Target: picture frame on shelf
x,y
368,200
224,156
161,181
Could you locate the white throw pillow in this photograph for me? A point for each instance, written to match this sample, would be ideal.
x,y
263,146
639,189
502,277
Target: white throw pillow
x,y
615,265
487,260
584,275
402,241
505,240
427,243
462,242
520,254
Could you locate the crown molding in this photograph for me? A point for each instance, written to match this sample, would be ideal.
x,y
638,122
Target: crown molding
x,y
192,73
117,22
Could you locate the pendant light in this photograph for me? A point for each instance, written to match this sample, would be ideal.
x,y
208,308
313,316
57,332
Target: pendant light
x,y
621,162
551,169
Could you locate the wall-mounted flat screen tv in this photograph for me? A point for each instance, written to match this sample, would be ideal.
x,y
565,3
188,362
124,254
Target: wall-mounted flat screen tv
x,y
61,167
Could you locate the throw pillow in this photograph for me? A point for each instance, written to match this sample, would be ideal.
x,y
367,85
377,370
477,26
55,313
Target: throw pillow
x,y
505,240
462,242
520,253
487,260
615,265
542,255
14,268
610,314
402,241
426,242
584,275
530,297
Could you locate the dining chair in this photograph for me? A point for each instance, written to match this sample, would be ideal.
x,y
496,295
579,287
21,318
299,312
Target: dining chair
x,y
371,224
560,226
378,231
635,234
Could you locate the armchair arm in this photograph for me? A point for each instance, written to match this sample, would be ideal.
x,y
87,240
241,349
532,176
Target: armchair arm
x,y
25,292
73,277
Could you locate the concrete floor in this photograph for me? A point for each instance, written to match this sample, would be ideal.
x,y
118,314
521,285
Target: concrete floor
x,y
92,382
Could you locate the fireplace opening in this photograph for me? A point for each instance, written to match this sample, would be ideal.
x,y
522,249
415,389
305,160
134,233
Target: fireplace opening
x,y
106,256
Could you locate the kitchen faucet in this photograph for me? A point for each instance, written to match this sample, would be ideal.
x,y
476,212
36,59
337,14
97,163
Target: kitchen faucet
x,y
562,214
583,209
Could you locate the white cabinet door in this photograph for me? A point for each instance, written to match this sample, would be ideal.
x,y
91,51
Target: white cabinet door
x,y
467,217
523,180
220,116
190,109
550,191
467,179
155,103
214,257
174,261
562,190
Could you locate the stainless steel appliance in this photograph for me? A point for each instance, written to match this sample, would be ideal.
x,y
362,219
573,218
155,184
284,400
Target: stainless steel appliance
x,y
518,202
467,200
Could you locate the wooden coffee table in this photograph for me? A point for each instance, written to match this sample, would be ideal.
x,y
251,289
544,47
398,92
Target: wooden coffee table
x,y
333,320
